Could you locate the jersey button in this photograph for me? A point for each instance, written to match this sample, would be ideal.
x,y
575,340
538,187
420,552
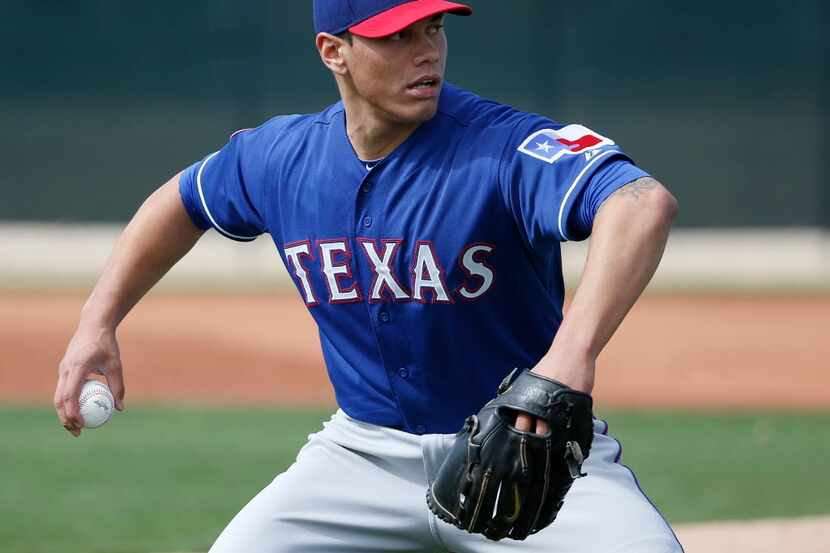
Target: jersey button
x,y
404,372
384,317
367,186
367,222
420,429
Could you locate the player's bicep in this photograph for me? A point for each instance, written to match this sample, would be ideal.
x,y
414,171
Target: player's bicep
x,y
644,197
637,190
608,180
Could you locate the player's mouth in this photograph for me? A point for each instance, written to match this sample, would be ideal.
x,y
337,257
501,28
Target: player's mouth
x,y
427,86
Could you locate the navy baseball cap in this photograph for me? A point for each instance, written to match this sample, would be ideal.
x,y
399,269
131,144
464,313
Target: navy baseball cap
x,y
377,18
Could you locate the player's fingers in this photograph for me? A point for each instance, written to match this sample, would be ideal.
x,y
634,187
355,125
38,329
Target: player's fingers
x,y
524,422
72,389
115,380
62,399
542,427
73,423
59,399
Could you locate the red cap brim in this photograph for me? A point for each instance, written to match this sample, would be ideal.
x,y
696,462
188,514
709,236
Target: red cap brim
x,y
400,17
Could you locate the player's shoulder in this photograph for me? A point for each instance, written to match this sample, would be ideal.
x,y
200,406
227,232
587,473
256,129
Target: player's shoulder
x,y
281,127
281,135
495,119
468,109
529,135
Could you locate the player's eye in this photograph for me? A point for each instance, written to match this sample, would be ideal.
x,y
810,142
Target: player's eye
x,y
397,36
433,29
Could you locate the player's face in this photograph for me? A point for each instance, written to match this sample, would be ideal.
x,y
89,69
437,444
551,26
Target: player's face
x,y
399,77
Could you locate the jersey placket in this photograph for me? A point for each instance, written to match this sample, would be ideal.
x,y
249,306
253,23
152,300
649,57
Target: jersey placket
x,y
385,315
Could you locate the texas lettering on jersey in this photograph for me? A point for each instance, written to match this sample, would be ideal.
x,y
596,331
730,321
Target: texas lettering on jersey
x,y
426,278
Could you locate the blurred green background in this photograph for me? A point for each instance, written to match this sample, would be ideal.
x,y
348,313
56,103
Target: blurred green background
x,y
726,102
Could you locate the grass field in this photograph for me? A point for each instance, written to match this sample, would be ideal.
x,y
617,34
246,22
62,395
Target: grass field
x,y
167,479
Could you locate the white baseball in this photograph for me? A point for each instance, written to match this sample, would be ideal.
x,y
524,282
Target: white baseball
x,y
96,403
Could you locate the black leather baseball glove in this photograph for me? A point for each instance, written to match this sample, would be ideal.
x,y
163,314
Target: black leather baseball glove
x,y
502,482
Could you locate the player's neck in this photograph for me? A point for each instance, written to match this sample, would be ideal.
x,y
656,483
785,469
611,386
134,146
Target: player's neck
x,y
372,136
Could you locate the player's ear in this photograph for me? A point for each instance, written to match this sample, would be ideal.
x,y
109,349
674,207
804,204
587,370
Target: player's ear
x,y
330,48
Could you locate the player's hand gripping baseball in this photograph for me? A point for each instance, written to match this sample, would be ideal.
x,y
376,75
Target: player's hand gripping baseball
x,y
159,234
93,349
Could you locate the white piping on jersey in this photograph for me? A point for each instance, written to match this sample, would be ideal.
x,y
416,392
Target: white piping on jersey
x,y
205,207
573,186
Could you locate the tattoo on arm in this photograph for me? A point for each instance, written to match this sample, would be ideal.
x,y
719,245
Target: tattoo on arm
x,y
637,188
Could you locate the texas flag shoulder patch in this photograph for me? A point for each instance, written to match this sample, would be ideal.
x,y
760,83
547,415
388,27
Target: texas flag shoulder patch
x,y
550,145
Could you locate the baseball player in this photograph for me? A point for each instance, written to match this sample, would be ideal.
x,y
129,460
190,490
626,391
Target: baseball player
x,y
422,226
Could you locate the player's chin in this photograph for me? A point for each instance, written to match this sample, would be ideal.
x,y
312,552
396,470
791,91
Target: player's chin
x,y
418,112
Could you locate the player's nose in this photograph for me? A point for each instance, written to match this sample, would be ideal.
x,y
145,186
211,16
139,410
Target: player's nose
x,y
427,50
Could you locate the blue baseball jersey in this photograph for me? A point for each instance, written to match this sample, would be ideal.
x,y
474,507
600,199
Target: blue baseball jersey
x,y
431,273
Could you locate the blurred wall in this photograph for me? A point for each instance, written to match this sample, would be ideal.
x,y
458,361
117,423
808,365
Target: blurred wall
x,y
726,102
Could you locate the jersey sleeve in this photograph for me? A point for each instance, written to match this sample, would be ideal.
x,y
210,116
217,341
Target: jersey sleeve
x,y
544,174
226,189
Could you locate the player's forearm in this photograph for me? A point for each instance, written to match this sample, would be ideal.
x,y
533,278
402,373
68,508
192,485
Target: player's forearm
x,y
627,242
159,234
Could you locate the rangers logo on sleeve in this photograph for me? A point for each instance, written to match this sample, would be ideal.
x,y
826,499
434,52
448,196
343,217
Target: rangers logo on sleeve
x,y
550,145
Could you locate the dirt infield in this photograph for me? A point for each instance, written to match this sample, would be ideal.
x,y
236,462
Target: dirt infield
x,y
672,351
804,535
